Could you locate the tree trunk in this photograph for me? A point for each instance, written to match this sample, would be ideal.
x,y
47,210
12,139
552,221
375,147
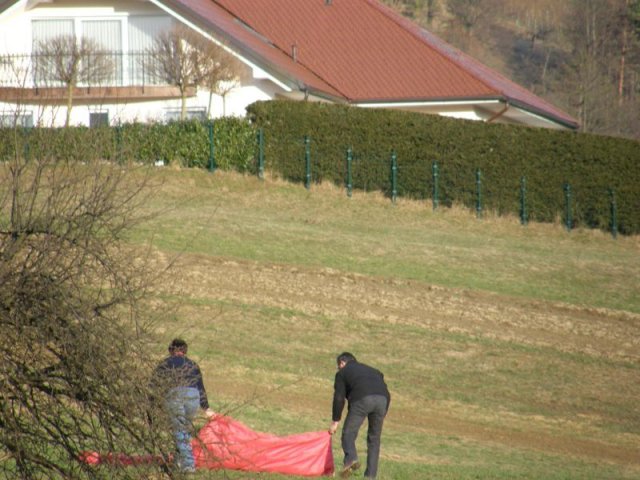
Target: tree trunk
x,y
543,77
183,103
69,104
623,52
210,102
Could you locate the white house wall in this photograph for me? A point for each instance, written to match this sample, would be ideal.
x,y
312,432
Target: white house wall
x,y
234,104
16,38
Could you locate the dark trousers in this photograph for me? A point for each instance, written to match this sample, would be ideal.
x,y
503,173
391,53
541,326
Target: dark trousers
x,y
373,408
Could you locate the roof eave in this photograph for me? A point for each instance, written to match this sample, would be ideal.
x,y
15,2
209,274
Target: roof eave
x,y
565,122
7,7
236,48
427,101
458,101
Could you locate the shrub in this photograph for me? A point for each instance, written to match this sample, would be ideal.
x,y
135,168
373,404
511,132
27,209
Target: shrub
x,y
548,159
184,143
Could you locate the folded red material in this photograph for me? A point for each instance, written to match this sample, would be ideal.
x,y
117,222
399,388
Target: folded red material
x,y
225,443
121,459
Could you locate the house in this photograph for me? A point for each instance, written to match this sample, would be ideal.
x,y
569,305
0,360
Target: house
x,y
356,52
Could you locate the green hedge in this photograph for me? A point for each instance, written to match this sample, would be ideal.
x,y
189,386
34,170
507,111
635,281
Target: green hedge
x,y
188,143
183,143
73,144
591,165
548,159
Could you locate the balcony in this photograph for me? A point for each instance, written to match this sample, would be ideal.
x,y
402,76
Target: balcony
x,y
102,76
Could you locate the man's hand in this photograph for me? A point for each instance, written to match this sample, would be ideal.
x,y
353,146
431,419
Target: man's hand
x,y
333,428
209,413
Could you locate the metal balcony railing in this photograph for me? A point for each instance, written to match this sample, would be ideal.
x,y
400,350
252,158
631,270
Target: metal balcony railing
x,y
99,69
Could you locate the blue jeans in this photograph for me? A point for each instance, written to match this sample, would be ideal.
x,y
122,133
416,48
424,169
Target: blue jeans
x,y
374,409
183,404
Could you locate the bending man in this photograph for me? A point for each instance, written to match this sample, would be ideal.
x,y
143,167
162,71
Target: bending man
x,y
365,390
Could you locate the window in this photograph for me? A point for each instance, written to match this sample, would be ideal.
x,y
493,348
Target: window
x,y
125,42
107,36
11,120
143,30
142,33
107,33
193,113
102,63
45,30
46,68
98,119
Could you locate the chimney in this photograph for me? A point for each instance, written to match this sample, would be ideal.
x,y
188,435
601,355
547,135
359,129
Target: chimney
x,y
327,2
294,52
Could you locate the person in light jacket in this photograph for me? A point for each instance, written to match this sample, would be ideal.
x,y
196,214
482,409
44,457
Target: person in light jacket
x,y
180,379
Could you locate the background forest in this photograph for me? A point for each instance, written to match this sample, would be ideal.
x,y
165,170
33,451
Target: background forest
x,y
581,55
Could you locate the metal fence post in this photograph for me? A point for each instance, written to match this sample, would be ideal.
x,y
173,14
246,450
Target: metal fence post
x,y
349,173
119,144
435,174
307,163
261,153
614,213
394,177
212,158
27,150
568,215
524,217
478,193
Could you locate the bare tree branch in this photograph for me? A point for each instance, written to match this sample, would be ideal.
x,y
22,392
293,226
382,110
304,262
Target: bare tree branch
x,y
184,58
70,62
74,375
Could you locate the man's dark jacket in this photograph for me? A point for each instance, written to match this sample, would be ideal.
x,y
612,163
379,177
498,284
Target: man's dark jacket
x,y
180,371
354,382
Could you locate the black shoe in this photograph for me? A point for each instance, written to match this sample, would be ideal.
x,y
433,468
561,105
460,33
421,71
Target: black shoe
x,y
349,469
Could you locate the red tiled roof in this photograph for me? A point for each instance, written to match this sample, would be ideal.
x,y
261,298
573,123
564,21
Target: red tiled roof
x,y
251,44
359,51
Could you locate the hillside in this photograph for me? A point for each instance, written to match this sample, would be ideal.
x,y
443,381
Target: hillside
x,y
583,56
511,352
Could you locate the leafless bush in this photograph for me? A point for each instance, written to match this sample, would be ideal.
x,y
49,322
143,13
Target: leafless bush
x,y
75,327
185,59
69,62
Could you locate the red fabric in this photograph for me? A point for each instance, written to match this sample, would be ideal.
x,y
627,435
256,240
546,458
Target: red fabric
x,y
121,459
225,443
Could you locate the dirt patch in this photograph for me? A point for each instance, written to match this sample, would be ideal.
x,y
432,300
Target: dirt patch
x,y
326,292
601,332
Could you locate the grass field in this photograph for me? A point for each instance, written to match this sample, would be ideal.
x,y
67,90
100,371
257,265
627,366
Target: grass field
x,y
511,352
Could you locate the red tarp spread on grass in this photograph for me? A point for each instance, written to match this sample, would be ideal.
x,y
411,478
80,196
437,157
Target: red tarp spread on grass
x,y
225,443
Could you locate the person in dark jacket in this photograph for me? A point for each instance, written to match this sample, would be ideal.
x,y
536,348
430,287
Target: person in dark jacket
x,y
368,397
180,380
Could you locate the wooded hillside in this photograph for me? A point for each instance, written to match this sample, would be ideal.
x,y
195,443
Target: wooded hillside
x,y
582,55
